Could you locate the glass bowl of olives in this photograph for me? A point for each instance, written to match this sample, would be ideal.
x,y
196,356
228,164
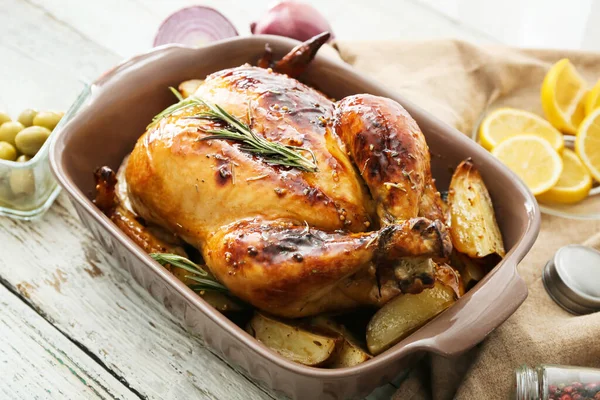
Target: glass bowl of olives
x,y
29,112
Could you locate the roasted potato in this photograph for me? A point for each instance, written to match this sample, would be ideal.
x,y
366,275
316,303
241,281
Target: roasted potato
x,y
347,355
349,352
188,88
222,301
291,341
405,314
473,227
471,271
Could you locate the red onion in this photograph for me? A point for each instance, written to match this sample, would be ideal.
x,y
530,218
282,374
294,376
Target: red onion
x,y
293,19
194,26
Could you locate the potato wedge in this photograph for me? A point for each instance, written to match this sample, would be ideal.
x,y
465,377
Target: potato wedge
x,y
222,302
405,314
347,355
292,342
473,227
471,271
188,88
349,352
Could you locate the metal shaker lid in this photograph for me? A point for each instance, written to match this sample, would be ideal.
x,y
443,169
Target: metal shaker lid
x,y
572,279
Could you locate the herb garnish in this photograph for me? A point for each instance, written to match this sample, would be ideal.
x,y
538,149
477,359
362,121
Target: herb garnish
x,y
236,130
204,279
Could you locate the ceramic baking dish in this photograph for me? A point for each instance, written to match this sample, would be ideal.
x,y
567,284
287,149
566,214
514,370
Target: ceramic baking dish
x,y
112,114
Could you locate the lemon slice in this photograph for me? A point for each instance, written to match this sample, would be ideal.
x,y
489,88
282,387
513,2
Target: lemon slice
x,y
592,99
587,143
533,159
562,93
506,122
574,183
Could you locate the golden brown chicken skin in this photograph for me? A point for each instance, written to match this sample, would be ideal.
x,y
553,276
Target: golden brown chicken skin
x,y
107,199
289,241
224,184
388,147
294,270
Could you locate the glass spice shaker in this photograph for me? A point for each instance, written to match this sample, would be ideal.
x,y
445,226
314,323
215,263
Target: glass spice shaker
x,y
557,382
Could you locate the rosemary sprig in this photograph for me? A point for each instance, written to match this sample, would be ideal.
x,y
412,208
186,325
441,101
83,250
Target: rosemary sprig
x,y
236,130
204,279
181,105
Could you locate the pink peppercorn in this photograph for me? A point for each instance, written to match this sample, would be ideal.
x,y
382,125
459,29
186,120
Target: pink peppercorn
x,y
568,389
554,382
591,386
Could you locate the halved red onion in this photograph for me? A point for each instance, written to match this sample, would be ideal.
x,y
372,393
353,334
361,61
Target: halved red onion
x,y
292,19
194,26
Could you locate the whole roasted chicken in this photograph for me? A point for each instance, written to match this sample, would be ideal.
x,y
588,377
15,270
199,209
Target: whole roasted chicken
x,y
297,204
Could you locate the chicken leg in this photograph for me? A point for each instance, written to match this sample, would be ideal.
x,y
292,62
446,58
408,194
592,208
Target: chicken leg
x,y
293,270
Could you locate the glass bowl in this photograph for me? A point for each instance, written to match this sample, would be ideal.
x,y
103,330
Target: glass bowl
x,y
587,209
28,189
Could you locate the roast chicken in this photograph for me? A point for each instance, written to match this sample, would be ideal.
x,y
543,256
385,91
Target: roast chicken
x,y
363,226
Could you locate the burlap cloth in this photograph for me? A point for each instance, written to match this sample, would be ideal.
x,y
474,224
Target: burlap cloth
x,y
456,81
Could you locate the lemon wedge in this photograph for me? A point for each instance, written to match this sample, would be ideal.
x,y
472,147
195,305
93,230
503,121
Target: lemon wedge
x,y
562,93
506,122
592,99
574,183
533,159
587,143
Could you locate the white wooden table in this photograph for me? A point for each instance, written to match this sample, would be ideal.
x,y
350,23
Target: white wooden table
x,y
72,324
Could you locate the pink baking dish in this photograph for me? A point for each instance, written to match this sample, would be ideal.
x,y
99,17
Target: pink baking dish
x,y
107,120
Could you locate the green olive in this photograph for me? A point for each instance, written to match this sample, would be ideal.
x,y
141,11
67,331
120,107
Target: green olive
x,y
22,181
30,140
27,116
7,151
47,119
9,130
4,117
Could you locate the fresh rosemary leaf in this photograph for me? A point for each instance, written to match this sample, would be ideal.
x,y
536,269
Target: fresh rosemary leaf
x,y
176,93
179,262
207,284
200,275
182,105
236,130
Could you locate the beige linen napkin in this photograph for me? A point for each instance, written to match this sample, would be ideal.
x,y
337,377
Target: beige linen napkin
x,y
456,81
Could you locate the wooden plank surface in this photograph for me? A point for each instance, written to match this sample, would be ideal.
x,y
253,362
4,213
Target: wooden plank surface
x,y
65,274
43,59
89,310
38,362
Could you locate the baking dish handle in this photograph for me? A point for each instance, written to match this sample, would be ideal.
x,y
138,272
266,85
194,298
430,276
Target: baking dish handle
x,y
468,322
